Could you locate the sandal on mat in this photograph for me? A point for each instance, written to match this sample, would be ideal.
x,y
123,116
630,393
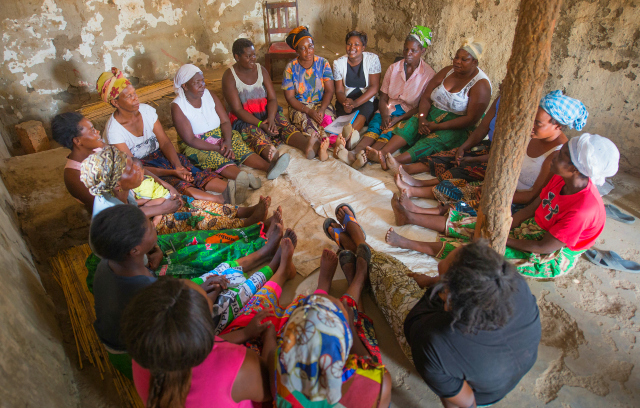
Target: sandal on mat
x,y
615,213
335,237
348,218
346,257
364,251
611,260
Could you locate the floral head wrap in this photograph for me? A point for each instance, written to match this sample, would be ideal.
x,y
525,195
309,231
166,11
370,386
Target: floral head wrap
x,y
475,48
101,171
296,35
315,346
594,156
110,84
567,111
422,34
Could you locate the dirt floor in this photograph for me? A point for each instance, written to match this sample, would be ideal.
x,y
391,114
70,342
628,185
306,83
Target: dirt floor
x,y
586,358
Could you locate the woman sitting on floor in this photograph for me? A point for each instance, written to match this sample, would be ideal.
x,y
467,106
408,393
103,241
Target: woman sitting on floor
x,y
308,89
178,358
255,113
548,235
110,175
134,128
449,109
465,354
357,81
76,133
555,113
127,243
403,84
205,130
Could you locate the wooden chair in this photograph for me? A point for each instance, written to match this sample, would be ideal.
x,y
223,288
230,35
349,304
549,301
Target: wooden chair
x,y
282,24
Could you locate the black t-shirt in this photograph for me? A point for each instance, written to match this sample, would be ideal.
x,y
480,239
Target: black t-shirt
x,y
355,76
112,294
492,362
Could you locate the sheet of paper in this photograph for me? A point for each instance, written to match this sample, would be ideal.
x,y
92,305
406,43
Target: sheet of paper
x,y
336,126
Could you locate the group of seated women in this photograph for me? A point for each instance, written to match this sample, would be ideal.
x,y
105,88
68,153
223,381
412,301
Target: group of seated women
x,y
176,306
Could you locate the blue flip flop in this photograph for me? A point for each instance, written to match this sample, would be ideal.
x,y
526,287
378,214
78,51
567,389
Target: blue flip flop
x,y
611,260
335,237
615,213
348,218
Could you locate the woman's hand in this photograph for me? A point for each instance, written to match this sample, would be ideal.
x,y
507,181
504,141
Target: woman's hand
x,y
269,127
171,204
424,280
214,285
315,114
348,105
183,174
459,155
423,126
173,191
155,257
393,121
385,121
256,327
226,150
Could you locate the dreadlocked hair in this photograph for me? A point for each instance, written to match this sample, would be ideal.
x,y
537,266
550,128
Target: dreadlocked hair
x,y
481,284
167,329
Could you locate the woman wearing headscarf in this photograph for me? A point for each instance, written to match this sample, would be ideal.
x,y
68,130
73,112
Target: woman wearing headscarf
x,y
403,84
555,113
308,89
255,112
450,107
134,128
548,235
207,138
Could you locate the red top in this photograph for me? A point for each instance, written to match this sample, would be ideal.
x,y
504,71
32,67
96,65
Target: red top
x,y
211,381
575,219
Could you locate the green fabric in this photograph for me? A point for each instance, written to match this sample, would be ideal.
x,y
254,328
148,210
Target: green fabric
x,y
122,363
194,253
422,34
420,146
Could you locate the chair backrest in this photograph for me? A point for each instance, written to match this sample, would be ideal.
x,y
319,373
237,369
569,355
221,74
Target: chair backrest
x,y
277,18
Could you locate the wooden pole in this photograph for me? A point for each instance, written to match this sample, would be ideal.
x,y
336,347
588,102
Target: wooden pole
x,y
521,92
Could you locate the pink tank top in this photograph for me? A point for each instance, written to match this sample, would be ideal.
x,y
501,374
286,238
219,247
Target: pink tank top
x,y
72,164
211,381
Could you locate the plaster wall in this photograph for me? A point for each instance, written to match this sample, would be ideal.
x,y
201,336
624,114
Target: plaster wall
x,y
34,370
595,50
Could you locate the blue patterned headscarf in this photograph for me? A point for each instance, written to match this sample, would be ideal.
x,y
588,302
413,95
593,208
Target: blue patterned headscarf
x,y
315,346
567,111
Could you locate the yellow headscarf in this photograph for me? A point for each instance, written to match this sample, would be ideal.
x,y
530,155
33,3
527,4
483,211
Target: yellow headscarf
x,y
475,48
101,171
110,84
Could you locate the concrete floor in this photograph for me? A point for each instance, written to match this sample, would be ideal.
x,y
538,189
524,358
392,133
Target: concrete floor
x,y
586,358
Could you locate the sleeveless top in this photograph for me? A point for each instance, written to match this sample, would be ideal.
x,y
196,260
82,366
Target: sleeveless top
x,y
455,102
211,381
253,97
531,167
202,119
72,164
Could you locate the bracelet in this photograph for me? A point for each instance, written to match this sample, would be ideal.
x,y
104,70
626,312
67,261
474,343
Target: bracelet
x,y
259,123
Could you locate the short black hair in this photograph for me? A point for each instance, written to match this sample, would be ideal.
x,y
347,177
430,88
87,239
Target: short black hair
x,y
481,283
116,230
65,127
355,33
240,45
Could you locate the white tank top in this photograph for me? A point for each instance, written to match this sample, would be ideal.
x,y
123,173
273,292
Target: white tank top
x,y
531,167
202,119
455,102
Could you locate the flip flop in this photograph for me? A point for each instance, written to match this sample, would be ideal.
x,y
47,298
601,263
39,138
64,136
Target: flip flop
x,y
336,231
278,167
615,213
611,260
254,182
348,218
242,187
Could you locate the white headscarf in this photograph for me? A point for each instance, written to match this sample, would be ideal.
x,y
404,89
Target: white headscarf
x,y
594,156
184,74
473,47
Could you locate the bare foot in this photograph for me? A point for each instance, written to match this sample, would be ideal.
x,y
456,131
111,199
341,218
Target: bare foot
x,y
286,256
406,202
372,154
259,214
402,185
266,200
407,178
398,211
323,155
275,218
383,161
392,238
274,235
328,265
392,164
309,151
270,154
291,234
361,160
341,212
336,147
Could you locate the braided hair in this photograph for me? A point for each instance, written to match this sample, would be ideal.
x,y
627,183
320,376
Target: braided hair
x,y
480,285
167,329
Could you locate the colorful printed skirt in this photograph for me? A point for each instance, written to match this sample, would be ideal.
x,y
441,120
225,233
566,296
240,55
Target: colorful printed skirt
x,y
374,130
258,139
443,165
200,177
419,145
208,159
196,215
460,228
308,126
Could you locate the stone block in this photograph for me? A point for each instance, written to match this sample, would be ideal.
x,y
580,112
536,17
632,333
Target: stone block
x,y
32,136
